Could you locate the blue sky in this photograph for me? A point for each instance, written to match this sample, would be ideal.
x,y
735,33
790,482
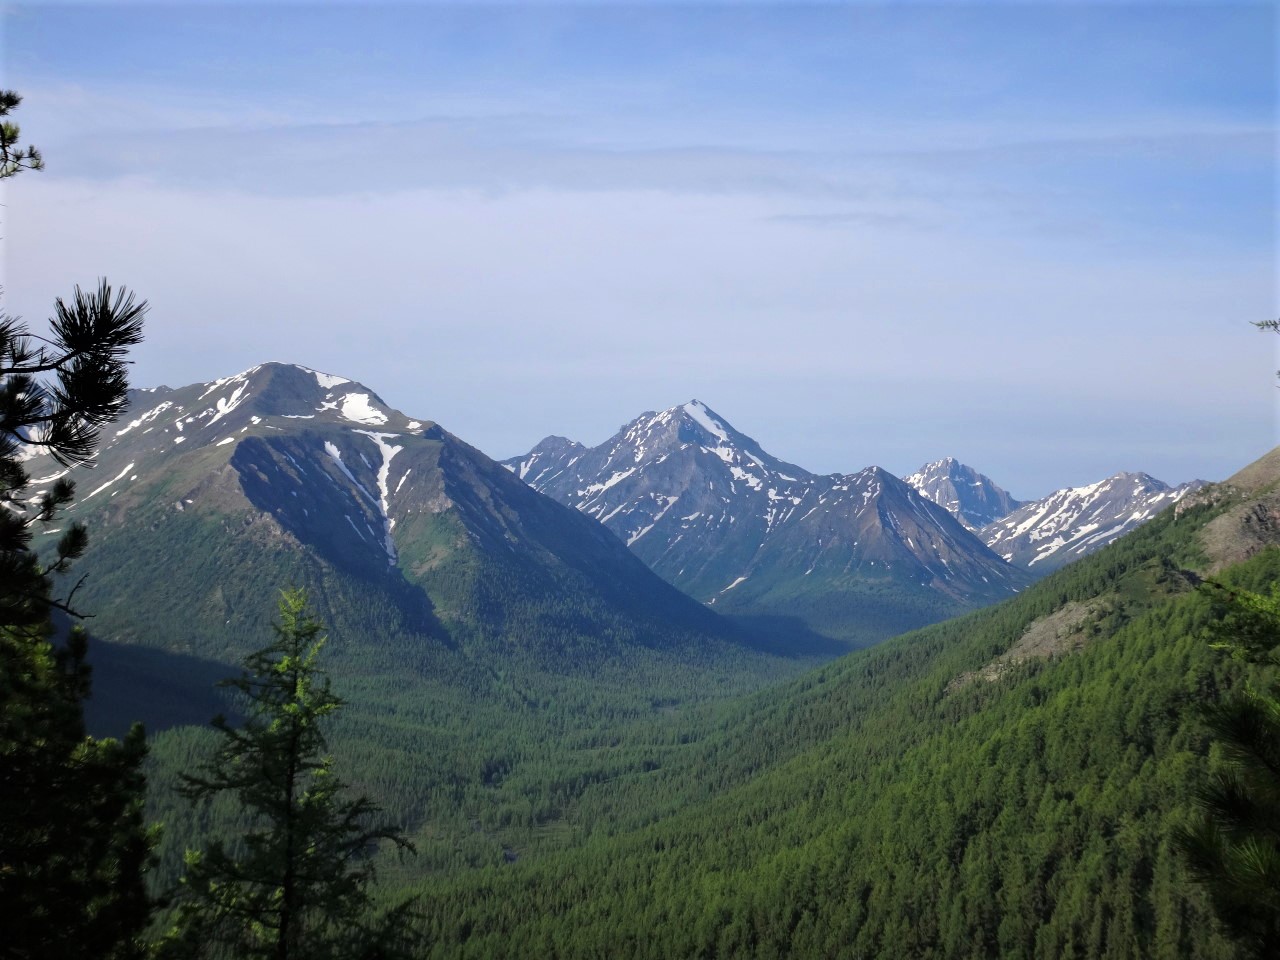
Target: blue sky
x,y
1028,235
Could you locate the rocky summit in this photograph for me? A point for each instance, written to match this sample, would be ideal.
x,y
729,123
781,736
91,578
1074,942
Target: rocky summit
x,y
974,499
1068,524
856,556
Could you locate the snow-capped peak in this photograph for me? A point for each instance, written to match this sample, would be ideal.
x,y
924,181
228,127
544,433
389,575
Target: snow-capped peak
x,y
703,417
1069,523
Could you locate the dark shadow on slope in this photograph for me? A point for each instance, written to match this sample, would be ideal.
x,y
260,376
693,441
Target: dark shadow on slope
x,y
787,636
162,690
309,519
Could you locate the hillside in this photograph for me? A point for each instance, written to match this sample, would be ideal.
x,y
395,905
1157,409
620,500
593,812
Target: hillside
x,y
1001,784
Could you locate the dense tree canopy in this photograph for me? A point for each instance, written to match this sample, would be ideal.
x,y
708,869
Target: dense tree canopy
x,y
1233,847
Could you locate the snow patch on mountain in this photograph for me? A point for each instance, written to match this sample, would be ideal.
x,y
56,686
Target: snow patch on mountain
x,y
226,405
336,456
703,418
119,476
356,407
145,418
387,451
327,381
240,378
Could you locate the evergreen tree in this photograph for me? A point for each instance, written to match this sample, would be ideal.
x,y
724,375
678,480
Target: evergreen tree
x,y
14,158
297,884
1234,846
73,847
72,843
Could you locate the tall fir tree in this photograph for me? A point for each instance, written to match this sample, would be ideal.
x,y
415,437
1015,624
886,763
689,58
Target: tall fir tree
x,y
73,846
297,884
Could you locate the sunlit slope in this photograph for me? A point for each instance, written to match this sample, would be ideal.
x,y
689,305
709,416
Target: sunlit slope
x,y
1000,785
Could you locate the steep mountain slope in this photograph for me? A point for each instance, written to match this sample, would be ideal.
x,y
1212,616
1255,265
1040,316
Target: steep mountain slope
x,y
491,643
208,498
973,498
1045,534
1004,784
858,557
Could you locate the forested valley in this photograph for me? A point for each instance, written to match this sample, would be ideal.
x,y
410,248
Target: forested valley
x,y
261,696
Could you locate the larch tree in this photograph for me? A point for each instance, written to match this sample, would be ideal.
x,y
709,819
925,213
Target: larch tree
x,y
297,884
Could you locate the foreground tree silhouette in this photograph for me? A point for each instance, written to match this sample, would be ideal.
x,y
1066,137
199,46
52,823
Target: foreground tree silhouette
x,y
300,887
73,847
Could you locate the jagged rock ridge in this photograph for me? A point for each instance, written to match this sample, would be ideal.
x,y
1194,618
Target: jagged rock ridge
x,y
973,498
713,513
1068,524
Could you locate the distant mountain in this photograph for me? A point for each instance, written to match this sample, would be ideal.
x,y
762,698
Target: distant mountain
x,y
1045,534
858,557
208,499
974,499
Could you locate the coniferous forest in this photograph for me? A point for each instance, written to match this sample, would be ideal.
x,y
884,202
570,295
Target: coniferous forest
x,y
285,673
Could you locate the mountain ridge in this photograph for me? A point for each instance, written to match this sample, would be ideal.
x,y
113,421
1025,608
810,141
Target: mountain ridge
x,y
288,469
707,508
1045,534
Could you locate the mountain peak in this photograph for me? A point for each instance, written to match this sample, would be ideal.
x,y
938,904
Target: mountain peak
x,y
1047,533
707,418
975,499
223,408
716,515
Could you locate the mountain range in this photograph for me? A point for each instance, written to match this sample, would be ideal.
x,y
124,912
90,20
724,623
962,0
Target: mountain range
x,y
855,556
209,498
284,473
858,556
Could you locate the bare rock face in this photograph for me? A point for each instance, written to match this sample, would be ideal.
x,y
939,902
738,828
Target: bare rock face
x,y
1253,523
1062,632
974,499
